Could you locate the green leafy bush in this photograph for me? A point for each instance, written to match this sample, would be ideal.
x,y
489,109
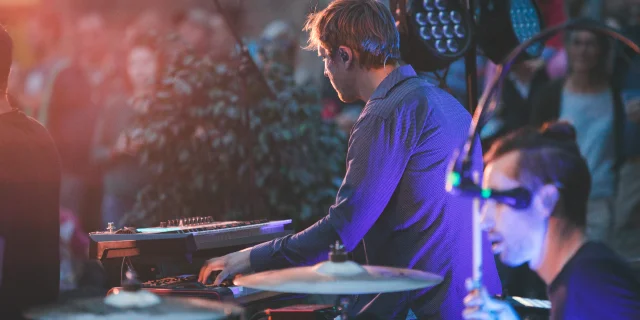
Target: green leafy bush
x,y
215,149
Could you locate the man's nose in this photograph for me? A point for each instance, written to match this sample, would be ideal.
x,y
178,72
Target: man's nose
x,y
487,215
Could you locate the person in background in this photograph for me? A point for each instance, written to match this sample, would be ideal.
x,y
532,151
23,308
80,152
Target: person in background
x,y
523,82
44,33
151,21
123,177
96,56
29,205
193,28
97,59
392,208
56,92
588,99
627,72
586,280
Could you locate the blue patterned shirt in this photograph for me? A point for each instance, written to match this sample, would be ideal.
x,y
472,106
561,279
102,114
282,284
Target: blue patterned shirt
x,y
392,208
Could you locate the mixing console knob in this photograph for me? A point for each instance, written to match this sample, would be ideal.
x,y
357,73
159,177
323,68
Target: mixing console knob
x,y
163,224
110,227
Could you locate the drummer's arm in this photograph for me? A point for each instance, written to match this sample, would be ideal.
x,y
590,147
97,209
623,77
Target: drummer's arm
x,y
379,150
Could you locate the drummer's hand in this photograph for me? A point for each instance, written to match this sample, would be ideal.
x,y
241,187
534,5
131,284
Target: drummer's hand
x,y
231,265
479,306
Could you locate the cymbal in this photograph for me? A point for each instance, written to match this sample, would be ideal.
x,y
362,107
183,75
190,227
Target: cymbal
x,y
137,305
339,278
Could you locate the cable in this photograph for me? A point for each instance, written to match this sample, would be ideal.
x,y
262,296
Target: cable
x,y
259,315
122,271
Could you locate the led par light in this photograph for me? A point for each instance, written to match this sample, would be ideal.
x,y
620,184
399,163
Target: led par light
x,y
433,33
504,24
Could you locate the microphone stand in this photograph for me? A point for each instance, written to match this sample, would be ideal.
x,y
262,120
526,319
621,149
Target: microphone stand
x,y
246,68
471,75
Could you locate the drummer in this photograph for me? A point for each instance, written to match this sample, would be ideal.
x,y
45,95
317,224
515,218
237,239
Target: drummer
x,y
392,208
586,280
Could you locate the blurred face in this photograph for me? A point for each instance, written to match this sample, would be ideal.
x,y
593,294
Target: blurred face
x,y
517,235
142,67
192,34
36,36
583,51
92,36
342,79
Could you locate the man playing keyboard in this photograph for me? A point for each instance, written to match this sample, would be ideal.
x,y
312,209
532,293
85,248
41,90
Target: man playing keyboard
x,y
392,208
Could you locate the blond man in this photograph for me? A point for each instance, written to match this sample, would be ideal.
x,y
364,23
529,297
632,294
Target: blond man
x,y
392,208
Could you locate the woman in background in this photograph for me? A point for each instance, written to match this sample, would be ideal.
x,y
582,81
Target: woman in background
x,y
589,100
123,177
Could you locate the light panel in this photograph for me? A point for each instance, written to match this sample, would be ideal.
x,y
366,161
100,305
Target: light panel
x,y
433,33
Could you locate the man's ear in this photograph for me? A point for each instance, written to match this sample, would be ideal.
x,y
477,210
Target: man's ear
x,y
545,200
345,54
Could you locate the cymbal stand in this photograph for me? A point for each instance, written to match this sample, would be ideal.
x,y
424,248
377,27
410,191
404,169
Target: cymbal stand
x,y
338,254
343,303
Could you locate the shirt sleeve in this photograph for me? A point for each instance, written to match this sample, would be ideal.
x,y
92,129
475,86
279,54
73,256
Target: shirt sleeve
x,y
378,153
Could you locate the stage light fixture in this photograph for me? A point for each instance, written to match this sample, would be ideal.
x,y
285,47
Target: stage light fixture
x,y
503,25
433,33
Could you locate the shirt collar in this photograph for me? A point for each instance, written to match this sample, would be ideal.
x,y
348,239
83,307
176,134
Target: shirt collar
x,y
393,79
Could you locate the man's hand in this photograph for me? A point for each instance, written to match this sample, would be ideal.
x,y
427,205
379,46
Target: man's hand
x,y
231,265
633,110
479,306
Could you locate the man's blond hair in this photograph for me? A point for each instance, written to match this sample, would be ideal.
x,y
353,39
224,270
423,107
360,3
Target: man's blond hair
x,y
365,26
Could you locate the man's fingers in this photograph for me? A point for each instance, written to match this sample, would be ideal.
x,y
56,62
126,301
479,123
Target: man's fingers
x,y
473,300
209,266
204,273
221,277
476,314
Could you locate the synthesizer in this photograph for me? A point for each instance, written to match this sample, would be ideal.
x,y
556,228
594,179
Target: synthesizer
x,y
184,236
188,286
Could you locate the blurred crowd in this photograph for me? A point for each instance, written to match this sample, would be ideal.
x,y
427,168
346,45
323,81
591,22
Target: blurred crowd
x,y
84,99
